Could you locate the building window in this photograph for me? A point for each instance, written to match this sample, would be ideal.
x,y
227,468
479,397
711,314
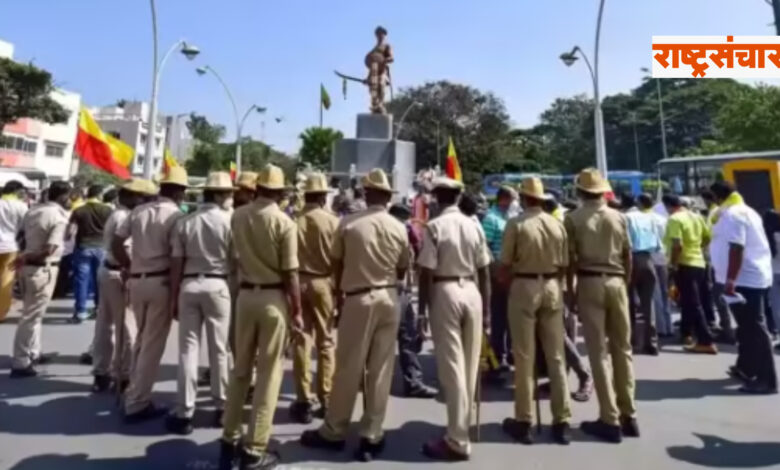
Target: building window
x,y
55,149
19,144
156,162
143,139
115,135
140,160
157,142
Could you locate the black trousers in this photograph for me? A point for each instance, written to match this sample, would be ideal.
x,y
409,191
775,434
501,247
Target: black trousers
x,y
409,345
690,283
500,340
754,347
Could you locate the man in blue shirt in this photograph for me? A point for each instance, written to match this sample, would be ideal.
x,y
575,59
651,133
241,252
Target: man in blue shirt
x,y
494,224
645,242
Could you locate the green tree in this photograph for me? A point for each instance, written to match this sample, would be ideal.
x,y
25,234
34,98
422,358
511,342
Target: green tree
x,y
25,93
477,122
88,174
750,119
317,146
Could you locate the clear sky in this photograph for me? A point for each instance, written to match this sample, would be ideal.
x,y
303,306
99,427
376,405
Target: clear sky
x,y
276,53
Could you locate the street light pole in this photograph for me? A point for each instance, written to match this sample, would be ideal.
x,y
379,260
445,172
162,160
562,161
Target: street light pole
x,y
776,8
190,52
239,121
636,143
569,58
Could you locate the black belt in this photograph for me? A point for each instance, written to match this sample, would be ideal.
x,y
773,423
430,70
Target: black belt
x,y
112,267
442,279
205,276
251,286
151,274
43,265
642,253
366,290
586,273
313,275
535,275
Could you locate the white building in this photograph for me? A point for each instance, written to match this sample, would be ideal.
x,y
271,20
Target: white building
x,y
129,123
38,150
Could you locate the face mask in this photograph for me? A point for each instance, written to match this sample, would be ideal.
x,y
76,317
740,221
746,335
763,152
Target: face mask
x,y
227,204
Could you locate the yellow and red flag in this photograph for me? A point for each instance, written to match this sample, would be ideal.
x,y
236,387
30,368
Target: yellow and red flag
x,y
233,171
102,150
169,162
452,170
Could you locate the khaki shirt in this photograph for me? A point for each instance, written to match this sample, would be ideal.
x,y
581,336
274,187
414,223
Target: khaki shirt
x,y
598,238
535,242
372,246
43,225
265,242
453,245
109,232
204,240
316,229
150,226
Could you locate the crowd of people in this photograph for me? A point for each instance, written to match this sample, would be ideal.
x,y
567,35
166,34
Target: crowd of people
x,y
264,283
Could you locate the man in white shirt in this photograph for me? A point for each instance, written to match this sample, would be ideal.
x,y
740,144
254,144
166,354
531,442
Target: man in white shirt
x,y
743,263
12,211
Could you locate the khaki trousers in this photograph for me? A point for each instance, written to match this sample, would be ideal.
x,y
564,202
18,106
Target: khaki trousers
x,y
7,277
603,310
261,335
456,327
37,288
536,306
366,342
113,310
202,301
149,299
317,304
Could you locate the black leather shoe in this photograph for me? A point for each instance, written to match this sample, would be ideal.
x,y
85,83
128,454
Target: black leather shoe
x,y
518,430
736,373
421,391
85,359
367,451
147,414
629,427
44,359
755,388
314,440
27,372
651,350
561,433
439,450
101,384
228,454
301,412
601,430
181,426
262,461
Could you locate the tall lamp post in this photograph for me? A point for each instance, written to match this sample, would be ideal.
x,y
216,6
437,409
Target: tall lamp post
x,y
660,113
239,121
190,52
569,58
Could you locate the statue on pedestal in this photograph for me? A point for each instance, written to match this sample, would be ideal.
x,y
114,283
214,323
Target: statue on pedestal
x,y
378,62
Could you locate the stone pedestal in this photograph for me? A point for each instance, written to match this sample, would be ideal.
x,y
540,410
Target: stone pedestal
x,y
374,147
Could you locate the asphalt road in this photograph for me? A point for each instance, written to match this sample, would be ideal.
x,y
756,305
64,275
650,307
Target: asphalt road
x,y
691,416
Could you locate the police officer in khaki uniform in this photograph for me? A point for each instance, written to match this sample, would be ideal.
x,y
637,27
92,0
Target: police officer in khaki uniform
x,y
200,256
370,255
115,326
316,229
44,235
245,189
534,253
266,246
455,282
600,258
149,226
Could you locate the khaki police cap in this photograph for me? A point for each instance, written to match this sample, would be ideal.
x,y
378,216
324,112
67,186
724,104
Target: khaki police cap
x,y
532,187
591,181
377,179
219,181
443,182
176,175
316,183
247,180
140,186
271,177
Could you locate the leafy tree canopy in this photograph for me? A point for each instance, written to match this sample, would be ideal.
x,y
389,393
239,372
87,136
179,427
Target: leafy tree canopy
x,y
25,93
317,146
